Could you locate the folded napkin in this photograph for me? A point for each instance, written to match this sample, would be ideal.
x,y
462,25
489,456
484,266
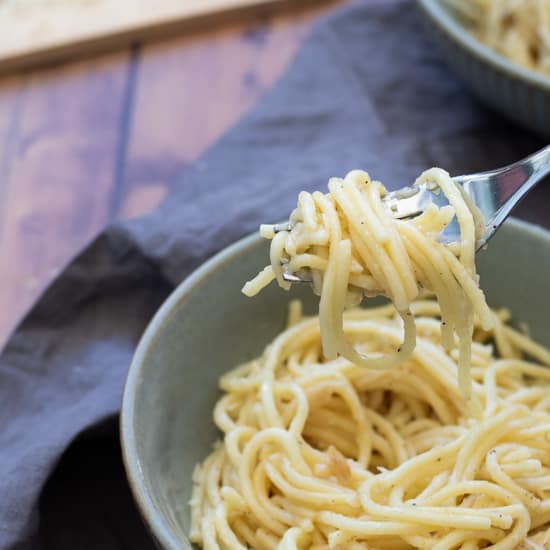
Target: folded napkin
x,y
368,89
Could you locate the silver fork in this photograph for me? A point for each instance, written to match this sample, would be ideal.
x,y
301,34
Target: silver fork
x,y
494,193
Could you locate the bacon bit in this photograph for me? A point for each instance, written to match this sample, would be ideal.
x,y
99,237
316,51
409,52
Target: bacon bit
x,y
338,465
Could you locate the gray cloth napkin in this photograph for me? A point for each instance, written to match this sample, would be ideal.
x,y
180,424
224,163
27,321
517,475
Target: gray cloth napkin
x,y
367,89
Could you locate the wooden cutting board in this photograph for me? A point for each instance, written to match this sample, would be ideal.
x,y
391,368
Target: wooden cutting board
x,y
37,31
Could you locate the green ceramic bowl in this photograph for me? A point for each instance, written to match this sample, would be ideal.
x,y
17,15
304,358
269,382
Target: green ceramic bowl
x,y
207,327
520,94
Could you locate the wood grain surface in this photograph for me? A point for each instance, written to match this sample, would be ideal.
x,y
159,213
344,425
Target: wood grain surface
x,y
82,144
85,143
37,31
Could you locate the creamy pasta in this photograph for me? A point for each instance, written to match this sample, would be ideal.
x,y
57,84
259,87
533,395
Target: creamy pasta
x,y
421,424
517,29
323,454
352,246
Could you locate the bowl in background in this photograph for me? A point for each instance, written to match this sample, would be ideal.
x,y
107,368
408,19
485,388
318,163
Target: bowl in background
x,y
521,94
207,326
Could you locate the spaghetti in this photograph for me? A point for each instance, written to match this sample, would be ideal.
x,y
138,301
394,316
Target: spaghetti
x,y
516,29
323,454
352,246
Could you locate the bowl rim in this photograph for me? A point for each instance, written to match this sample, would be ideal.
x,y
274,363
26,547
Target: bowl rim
x,y
153,518
440,15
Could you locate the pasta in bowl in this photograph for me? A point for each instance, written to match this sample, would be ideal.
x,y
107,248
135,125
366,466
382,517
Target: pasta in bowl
x,y
500,50
519,31
333,440
326,454
320,452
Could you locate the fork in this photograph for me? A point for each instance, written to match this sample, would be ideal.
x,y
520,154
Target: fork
x,y
495,194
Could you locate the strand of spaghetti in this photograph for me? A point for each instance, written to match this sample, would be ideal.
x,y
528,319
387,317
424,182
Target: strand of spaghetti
x,y
463,214
367,218
428,266
373,243
331,310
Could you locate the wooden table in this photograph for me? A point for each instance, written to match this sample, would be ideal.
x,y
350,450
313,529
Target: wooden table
x,y
85,143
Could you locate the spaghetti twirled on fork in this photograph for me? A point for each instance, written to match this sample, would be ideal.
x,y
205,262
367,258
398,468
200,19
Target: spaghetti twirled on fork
x,y
353,247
